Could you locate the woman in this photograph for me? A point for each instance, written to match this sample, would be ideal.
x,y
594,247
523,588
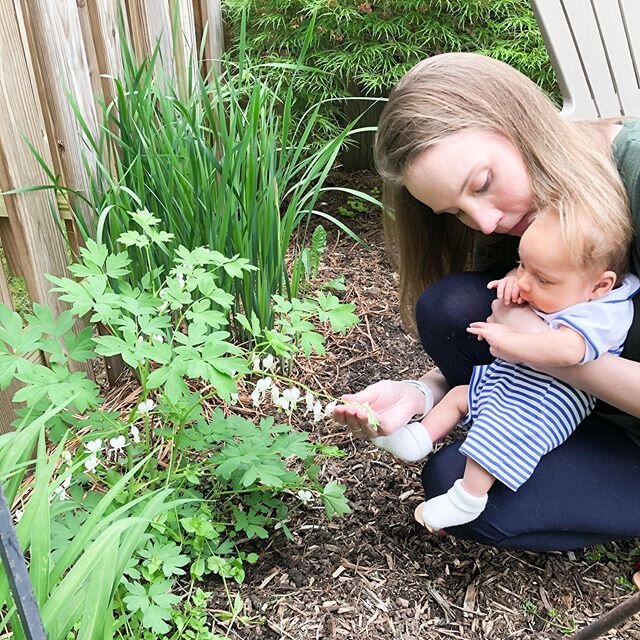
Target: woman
x,y
469,149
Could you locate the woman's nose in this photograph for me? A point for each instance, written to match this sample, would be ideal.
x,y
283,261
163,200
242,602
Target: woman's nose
x,y
486,220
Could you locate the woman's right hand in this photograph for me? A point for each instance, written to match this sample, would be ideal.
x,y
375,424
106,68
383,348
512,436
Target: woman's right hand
x,y
393,403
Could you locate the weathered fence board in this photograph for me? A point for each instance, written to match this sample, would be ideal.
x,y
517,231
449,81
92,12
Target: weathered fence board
x,y
53,50
208,24
62,59
33,228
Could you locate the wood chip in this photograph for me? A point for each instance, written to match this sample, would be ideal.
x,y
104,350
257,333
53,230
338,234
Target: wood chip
x,y
268,579
469,603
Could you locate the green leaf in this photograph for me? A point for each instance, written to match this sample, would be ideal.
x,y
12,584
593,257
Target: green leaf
x,y
74,293
117,265
133,239
236,266
312,341
334,500
80,347
340,316
166,557
43,321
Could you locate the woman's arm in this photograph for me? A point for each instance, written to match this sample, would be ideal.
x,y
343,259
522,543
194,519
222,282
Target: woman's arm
x,y
610,378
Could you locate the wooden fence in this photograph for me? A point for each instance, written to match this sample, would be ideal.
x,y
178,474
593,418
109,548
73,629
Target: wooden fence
x,y
49,48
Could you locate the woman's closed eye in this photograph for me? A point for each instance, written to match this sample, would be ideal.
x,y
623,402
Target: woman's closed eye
x,y
486,183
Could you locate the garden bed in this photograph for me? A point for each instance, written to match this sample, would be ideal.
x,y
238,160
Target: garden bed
x,y
374,574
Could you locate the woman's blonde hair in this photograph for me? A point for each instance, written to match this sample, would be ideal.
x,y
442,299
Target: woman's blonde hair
x,y
569,163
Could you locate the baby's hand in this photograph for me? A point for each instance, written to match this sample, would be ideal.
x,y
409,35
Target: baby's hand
x,y
507,289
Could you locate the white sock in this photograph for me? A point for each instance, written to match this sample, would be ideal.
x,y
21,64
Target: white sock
x,y
409,443
450,509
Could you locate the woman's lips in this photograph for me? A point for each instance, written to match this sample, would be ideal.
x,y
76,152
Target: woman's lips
x,y
519,228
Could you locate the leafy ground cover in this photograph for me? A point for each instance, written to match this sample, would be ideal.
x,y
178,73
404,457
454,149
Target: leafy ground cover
x,y
373,574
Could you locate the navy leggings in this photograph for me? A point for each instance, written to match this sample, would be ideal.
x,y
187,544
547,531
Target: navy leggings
x,y
583,493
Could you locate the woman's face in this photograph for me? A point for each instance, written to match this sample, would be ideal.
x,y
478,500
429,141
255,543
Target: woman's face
x,y
478,176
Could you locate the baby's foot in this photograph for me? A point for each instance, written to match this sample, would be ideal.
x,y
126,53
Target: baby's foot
x,y
450,509
409,443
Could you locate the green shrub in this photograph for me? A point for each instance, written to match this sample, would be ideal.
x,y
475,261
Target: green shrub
x,y
225,167
169,489
360,47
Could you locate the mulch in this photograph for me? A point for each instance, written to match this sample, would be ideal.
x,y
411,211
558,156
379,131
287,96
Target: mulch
x,y
374,574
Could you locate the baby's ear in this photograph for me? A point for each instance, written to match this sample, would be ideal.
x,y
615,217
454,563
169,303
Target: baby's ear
x,y
605,282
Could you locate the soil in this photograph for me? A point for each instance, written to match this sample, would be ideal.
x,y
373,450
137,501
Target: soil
x,y
374,574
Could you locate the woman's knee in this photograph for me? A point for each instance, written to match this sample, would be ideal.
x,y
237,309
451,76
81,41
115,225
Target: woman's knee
x,y
442,470
448,306
438,475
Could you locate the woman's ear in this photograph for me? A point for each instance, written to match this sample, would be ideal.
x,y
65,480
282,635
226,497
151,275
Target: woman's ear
x,y
604,283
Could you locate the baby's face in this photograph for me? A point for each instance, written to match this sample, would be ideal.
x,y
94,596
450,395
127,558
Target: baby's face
x,y
548,279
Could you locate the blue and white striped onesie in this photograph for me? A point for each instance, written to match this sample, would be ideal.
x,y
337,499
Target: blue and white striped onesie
x,y
517,414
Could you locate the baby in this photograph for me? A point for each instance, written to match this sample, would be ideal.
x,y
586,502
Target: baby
x,y
516,413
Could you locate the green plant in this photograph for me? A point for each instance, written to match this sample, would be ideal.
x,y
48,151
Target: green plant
x,y
225,167
354,207
564,623
362,48
231,480
625,583
17,287
74,575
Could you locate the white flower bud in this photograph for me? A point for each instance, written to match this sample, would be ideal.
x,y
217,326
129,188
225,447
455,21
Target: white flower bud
x,y
268,364
309,400
317,411
60,493
291,397
91,462
146,406
305,496
328,410
263,384
117,444
93,446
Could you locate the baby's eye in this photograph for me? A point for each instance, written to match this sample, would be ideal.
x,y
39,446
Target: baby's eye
x,y
541,280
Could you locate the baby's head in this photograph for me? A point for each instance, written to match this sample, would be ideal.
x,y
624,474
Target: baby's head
x,y
560,267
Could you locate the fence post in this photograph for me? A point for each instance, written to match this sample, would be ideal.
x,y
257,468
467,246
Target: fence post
x,y
34,236
102,29
150,22
185,52
60,50
208,13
